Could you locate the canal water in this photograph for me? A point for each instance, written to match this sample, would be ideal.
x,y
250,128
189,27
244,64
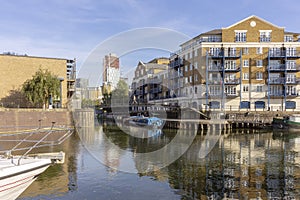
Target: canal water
x,y
237,164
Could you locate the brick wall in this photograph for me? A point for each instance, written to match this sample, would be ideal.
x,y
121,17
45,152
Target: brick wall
x,y
21,119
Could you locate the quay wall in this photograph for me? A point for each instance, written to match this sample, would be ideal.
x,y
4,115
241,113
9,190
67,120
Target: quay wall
x,y
21,119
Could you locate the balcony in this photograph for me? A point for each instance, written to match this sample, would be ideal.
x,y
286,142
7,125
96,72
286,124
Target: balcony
x,y
232,81
215,82
282,53
232,69
276,94
292,81
155,90
293,68
214,68
226,54
155,80
276,68
232,95
291,94
276,81
178,62
175,74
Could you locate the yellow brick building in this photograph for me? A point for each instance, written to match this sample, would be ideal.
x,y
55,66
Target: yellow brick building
x,y
252,64
15,70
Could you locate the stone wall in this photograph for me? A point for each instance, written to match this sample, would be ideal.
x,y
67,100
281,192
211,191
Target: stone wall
x,y
21,119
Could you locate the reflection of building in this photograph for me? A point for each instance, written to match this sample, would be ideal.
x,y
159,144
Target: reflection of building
x,y
149,82
252,64
111,70
239,167
16,69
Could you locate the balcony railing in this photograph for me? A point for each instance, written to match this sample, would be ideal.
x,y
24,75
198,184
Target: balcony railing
x,y
217,68
284,53
214,68
175,74
226,54
276,94
176,63
232,69
279,80
215,82
277,67
231,81
293,80
293,68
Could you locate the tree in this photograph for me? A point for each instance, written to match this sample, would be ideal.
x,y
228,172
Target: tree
x,y
120,94
39,89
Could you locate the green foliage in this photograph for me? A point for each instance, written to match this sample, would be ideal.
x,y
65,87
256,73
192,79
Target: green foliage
x,y
38,89
121,91
85,103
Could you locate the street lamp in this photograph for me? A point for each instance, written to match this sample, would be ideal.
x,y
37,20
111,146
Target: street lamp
x,y
61,79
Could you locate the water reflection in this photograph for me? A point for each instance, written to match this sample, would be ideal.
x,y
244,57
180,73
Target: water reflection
x,y
241,164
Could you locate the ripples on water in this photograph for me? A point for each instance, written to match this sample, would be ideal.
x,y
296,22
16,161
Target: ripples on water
x,y
242,165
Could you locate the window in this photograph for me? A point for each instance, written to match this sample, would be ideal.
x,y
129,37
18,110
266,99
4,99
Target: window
x,y
291,78
191,67
259,76
291,90
291,64
240,36
259,50
259,63
215,51
245,50
291,51
276,90
196,77
245,76
196,52
191,79
196,90
246,63
259,88
186,80
191,55
245,88
230,90
288,38
196,65
265,36
186,68
230,65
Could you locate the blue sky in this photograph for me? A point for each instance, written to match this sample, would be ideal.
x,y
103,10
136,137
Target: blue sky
x,y
73,28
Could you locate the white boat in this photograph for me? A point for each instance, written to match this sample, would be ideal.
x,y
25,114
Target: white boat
x,y
18,172
16,175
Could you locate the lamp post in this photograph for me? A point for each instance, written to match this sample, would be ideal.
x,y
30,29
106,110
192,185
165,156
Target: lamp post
x,y
61,79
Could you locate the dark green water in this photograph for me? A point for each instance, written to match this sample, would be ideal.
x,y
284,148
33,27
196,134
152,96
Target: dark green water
x,y
238,165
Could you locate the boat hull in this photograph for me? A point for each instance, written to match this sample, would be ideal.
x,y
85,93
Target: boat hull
x,y
15,179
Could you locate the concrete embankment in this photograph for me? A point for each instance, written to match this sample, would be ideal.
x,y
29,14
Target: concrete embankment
x,y
20,119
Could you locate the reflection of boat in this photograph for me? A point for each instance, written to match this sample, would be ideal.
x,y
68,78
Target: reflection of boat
x,y
152,122
289,122
18,172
